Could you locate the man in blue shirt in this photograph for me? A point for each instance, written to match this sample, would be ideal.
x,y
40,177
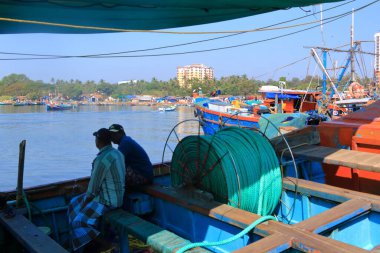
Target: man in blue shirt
x,y
139,169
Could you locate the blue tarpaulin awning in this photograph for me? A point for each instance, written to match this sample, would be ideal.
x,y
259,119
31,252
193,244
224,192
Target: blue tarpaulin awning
x,y
281,96
88,16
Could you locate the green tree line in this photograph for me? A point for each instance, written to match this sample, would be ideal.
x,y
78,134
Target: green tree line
x,y
15,85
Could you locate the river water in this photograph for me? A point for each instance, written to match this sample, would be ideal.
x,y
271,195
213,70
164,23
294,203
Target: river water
x,y
60,145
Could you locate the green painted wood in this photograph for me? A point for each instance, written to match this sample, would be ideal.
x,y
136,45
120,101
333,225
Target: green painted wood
x,y
159,239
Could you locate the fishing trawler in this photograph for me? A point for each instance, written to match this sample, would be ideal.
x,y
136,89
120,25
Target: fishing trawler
x,y
58,107
286,108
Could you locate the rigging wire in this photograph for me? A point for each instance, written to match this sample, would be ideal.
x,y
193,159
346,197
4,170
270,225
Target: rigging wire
x,y
308,87
177,45
332,63
185,52
363,64
170,46
360,67
334,18
131,30
282,67
208,32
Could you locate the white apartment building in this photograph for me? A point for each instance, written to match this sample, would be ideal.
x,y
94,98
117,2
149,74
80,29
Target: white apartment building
x,y
194,71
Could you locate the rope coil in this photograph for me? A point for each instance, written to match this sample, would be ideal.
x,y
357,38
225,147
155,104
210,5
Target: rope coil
x,y
238,166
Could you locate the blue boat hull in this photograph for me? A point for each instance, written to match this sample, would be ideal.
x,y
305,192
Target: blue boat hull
x,y
58,107
213,121
311,218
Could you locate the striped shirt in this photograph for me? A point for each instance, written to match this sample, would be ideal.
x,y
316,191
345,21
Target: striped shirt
x,y
108,177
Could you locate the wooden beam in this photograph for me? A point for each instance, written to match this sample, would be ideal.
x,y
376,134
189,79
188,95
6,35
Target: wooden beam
x,y
30,237
273,243
305,136
335,216
329,192
349,158
309,242
376,249
301,237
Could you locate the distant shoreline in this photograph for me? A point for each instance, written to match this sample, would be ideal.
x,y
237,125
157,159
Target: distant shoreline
x,y
129,103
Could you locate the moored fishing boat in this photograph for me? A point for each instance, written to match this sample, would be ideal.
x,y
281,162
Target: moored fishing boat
x,y
358,131
311,217
286,108
168,108
282,100
216,114
21,103
58,107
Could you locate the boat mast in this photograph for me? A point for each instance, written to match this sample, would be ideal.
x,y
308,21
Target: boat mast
x,y
321,66
324,57
352,49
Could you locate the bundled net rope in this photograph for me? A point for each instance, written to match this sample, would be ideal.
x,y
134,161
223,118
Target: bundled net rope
x,y
238,166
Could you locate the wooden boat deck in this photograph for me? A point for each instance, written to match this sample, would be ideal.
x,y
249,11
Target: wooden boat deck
x,y
349,158
32,238
304,236
278,236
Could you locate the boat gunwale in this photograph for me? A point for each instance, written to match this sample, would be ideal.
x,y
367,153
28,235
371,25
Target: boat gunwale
x,y
254,118
295,236
298,236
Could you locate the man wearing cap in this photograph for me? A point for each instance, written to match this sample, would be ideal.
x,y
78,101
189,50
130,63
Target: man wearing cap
x,y
105,192
139,169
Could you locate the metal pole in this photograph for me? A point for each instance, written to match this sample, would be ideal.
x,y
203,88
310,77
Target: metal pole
x,y
276,102
20,176
320,64
352,49
324,77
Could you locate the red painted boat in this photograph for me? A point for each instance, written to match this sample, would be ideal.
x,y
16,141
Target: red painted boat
x,y
358,131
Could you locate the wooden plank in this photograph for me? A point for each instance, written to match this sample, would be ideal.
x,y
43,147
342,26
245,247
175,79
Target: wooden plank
x,y
302,239
349,158
273,243
222,212
159,239
305,239
70,187
355,159
329,192
32,238
376,249
309,242
335,216
367,141
305,136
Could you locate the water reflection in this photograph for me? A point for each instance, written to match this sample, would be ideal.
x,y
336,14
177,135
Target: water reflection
x,y
60,144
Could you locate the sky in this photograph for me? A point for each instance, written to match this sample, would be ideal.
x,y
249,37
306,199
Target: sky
x,y
259,60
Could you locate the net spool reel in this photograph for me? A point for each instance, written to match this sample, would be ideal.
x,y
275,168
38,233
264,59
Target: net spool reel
x,y
237,166
247,177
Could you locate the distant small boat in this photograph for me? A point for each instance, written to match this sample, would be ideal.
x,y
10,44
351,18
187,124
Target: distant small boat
x,y
5,103
37,103
21,104
59,107
167,109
